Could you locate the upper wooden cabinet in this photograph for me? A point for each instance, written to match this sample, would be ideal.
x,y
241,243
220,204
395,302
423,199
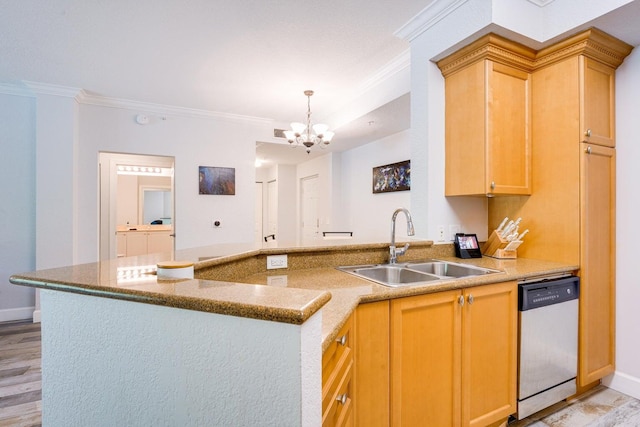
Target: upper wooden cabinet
x,y
488,118
597,106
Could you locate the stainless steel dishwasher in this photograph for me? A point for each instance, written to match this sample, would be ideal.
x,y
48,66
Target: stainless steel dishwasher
x,y
548,342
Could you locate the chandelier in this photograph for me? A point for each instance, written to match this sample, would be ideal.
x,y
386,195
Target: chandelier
x,y
301,133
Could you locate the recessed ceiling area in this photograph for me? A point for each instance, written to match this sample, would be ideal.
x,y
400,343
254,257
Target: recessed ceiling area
x,y
384,121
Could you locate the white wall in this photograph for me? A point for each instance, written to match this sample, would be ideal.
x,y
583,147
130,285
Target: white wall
x,y
17,210
194,141
627,376
171,367
368,215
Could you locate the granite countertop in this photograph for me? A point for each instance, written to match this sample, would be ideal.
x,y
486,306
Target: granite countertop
x,y
291,296
348,291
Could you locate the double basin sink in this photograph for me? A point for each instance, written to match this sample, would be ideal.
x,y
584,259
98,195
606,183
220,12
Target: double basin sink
x,y
415,273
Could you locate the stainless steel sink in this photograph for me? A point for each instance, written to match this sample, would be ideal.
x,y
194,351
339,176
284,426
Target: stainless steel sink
x,y
414,273
449,269
391,275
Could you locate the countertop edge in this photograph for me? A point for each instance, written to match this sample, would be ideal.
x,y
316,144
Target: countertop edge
x,y
217,306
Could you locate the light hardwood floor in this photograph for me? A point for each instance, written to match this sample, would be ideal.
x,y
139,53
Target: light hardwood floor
x,y
20,374
21,390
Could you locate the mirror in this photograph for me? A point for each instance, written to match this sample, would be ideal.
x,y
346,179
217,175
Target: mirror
x,y
156,205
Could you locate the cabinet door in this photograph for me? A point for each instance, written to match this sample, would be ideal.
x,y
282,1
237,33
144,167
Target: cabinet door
x,y
465,105
159,241
597,106
425,360
121,240
489,361
596,351
136,243
372,364
508,130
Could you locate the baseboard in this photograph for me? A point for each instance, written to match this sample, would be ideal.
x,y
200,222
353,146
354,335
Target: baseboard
x,y
13,314
623,383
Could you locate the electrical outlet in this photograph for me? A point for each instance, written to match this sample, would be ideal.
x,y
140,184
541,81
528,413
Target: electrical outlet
x,y
453,230
280,281
276,261
441,233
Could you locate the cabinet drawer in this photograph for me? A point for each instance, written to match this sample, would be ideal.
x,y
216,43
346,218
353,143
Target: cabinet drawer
x,y
336,363
339,411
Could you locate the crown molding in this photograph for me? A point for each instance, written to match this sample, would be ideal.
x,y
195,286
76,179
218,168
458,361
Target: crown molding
x,y
38,88
393,67
32,89
15,89
541,3
427,18
165,110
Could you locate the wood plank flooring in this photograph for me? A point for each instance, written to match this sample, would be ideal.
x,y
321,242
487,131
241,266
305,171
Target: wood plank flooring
x,y
21,390
20,374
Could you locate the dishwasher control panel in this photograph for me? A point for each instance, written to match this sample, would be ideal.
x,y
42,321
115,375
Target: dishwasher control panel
x,y
533,295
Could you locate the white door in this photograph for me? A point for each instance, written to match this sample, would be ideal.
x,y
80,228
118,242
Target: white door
x,y
272,212
309,208
259,235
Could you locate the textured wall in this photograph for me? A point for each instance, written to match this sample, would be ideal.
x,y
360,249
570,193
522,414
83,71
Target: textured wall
x,y
114,363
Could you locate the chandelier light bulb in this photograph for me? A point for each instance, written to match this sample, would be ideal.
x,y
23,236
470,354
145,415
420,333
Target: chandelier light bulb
x,y
298,128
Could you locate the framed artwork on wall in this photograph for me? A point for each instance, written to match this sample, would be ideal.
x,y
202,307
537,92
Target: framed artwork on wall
x,y
392,177
217,181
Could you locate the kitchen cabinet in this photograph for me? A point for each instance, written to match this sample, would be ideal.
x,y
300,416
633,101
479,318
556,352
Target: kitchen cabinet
x,y
488,118
571,213
337,378
132,243
596,343
453,356
597,109
372,364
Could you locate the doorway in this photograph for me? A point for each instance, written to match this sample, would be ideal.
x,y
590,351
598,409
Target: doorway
x,y
310,226
136,192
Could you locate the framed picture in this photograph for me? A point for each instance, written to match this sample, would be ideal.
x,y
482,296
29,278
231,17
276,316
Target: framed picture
x,y
393,177
217,181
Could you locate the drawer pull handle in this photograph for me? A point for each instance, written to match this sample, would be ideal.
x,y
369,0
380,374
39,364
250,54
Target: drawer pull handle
x,y
461,300
470,299
588,150
342,398
587,133
342,340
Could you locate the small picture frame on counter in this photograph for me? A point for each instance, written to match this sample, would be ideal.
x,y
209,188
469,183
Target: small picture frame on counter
x,y
466,246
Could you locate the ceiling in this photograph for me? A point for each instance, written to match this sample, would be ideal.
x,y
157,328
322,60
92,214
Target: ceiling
x,y
246,57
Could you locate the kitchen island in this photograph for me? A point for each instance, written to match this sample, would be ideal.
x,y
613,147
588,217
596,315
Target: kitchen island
x,y
122,347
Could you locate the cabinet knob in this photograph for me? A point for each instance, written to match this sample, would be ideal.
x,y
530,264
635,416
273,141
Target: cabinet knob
x,y
342,398
342,340
587,150
470,299
461,300
493,185
587,133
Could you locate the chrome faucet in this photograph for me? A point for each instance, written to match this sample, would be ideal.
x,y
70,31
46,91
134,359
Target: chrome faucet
x,y
393,251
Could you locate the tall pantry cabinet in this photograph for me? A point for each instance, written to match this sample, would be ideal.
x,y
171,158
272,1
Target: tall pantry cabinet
x,y
571,210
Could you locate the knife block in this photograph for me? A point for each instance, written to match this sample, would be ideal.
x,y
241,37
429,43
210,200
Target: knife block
x,y
497,247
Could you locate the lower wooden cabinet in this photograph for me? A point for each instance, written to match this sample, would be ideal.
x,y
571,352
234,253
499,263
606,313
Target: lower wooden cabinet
x,y
449,359
454,357
337,379
372,364
132,243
